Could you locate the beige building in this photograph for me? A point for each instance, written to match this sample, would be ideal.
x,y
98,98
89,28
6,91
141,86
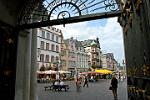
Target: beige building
x,y
68,57
109,62
64,56
92,48
73,56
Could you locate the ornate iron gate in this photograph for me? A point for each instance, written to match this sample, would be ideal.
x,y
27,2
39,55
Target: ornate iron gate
x,y
58,12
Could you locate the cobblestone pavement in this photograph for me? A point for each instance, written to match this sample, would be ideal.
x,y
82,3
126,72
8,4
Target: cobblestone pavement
x,y
96,91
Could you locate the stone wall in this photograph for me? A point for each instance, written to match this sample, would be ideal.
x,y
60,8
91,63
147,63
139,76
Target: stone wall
x,y
135,21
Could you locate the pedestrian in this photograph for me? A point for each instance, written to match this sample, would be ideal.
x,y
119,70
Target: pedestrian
x,y
114,84
56,82
85,82
78,85
61,85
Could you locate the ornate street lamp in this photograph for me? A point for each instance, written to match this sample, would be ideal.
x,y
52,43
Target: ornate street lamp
x,y
57,69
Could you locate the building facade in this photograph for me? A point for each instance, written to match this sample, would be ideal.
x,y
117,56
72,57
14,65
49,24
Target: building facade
x,y
92,48
109,62
74,58
64,56
82,58
70,55
48,48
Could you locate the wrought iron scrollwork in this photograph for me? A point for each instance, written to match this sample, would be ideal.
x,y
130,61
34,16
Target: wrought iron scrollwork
x,y
61,9
65,9
111,5
63,14
80,7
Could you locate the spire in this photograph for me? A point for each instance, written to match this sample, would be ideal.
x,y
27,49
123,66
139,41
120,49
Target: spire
x,y
97,41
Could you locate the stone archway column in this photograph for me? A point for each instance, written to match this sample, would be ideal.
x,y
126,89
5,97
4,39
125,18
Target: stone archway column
x,y
23,66
33,75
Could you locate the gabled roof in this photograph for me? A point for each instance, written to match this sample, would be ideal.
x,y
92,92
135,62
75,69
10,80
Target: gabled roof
x,y
89,42
93,43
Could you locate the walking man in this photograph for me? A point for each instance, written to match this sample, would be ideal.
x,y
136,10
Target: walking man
x,y
85,82
114,84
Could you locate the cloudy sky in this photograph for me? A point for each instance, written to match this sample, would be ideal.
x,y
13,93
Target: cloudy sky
x,y
108,31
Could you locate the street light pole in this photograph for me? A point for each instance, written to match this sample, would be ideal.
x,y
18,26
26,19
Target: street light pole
x,y
57,73
76,73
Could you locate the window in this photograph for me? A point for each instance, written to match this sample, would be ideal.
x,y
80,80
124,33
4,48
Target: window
x,y
52,47
57,39
52,58
47,58
53,28
94,63
93,49
63,53
52,37
63,63
43,34
48,35
72,47
57,48
42,57
47,46
57,58
42,44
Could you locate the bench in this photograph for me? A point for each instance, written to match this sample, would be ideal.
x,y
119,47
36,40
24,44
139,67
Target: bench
x,y
48,87
60,87
57,87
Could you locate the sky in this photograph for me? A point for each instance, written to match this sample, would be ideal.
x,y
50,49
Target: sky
x,y
108,31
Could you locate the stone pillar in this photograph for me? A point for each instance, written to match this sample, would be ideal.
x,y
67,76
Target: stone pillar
x,y
33,75
22,88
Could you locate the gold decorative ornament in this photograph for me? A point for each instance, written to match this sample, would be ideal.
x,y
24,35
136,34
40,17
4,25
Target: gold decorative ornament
x,y
10,41
146,70
138,4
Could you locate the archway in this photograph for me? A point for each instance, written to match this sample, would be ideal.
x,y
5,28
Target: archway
x,y
134,19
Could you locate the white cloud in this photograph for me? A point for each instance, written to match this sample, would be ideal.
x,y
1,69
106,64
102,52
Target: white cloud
x,y
110,35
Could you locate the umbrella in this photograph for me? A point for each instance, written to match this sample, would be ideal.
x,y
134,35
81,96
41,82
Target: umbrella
x,y
89,72
64,72
50,72
40,72
103,71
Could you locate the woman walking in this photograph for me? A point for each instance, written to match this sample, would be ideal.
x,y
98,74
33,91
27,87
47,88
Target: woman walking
x,y
114,84
78,85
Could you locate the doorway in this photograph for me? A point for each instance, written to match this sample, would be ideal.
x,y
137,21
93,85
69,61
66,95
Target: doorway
x,y
8,45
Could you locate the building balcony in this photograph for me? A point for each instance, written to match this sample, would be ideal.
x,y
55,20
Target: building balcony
x,y
94,52
95,59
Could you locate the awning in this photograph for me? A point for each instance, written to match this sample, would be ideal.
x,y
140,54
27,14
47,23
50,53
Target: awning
x,y
103,71
53,72
40,72
89,72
